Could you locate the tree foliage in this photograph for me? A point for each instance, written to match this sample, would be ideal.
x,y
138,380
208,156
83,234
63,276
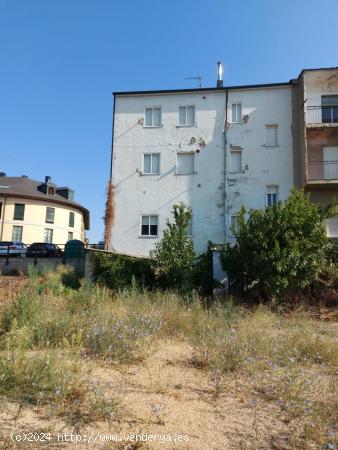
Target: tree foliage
x,y
174,254
279,250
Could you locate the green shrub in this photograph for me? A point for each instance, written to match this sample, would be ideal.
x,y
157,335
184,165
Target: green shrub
x,y
120,271
280,250
203,279
39,376
174,254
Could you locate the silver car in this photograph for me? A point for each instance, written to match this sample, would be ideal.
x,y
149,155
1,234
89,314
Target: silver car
x,y
12,248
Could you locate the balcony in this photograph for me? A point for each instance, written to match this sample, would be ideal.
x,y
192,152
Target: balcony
x,y
322,172
322,115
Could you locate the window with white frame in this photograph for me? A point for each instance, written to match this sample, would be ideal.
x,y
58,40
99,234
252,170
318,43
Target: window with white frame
x,y
48,235
186,115
152,117
185,163
271,196
151,163
271,135
234,224
236,161
236,112
17,233
50,214
149,225
70,235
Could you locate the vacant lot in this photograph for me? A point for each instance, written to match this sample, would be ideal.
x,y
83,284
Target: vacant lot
x,y
10,286
92,363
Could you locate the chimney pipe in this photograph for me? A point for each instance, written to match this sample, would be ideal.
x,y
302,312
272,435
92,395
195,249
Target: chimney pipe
x,y
220,73
48,179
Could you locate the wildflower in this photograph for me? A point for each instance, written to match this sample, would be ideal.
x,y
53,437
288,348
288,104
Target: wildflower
x,y
331,446
157,408
57,390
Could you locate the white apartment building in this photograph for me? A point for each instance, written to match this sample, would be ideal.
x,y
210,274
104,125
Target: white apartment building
x,y
215,149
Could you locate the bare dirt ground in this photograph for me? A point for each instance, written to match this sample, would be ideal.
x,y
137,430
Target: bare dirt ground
x,y
161,396
10,286
164,395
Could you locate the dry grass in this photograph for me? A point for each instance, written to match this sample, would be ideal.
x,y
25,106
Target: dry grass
x,y
228,377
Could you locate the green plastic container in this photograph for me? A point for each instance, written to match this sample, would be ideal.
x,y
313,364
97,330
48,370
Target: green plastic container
x,y
74,249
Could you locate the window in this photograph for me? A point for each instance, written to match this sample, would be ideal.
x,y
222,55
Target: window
x,y
271,136
50,213
19,211
70,235
50,190
17,233
236,112
48,235
186,116
329,108
152,117
235,161
271,195
234,224
185,163
151,163
71,219
149,225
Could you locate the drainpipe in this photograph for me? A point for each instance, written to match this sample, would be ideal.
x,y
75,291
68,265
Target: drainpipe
x,y
226,169
3,218
112,142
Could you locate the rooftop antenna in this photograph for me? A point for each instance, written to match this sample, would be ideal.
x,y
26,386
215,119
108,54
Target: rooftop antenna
x,y
199,78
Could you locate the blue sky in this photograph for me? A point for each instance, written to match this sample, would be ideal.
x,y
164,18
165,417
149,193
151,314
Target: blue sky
x,y
61,60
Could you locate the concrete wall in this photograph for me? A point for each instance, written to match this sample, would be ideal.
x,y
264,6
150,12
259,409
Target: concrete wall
x,y
298,133
20,265
138,194
34,222
318,83
262,166
317,139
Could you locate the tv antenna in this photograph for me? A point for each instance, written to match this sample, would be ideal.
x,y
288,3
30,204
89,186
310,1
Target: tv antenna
x,y
199,78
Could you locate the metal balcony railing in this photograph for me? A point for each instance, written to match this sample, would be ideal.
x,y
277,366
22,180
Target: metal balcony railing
x,y
322,170
322,114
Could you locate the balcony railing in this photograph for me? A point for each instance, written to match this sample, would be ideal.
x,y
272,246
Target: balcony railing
x,y
322,170
322,114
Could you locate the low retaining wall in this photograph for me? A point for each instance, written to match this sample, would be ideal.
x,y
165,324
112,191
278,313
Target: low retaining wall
x,y
15,265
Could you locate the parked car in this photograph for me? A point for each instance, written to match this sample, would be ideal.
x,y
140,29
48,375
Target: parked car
x,y
43,249
12,248
98,246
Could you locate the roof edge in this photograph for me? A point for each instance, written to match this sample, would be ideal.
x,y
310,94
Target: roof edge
x,y
319,68
210,89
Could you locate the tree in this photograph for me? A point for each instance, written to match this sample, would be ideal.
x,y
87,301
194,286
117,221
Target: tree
x,y
279,250
174,254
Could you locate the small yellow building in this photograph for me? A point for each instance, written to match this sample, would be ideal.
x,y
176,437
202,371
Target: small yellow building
x,y
33,211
